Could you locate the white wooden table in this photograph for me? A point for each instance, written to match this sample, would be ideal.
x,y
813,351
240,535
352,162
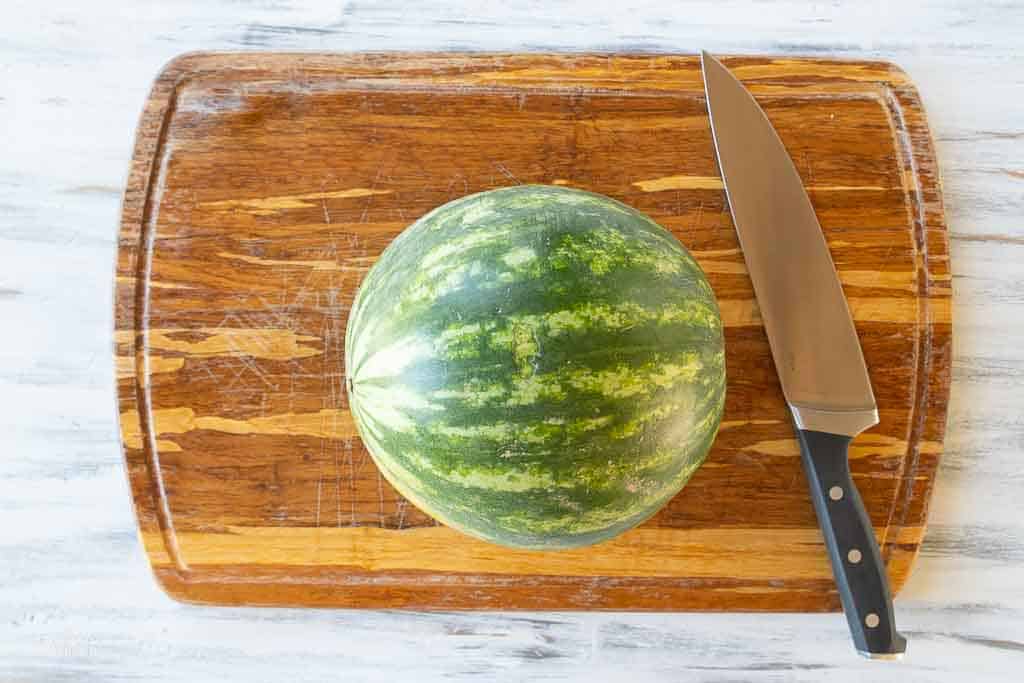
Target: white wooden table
x,y
76,598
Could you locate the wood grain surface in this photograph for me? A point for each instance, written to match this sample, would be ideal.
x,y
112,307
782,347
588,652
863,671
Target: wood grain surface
x,y
264,186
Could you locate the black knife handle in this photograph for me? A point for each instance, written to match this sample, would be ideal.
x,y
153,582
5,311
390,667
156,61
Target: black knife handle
x,y
852,548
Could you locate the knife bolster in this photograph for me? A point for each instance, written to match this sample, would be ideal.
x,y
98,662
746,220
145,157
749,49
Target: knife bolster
x,y
845,422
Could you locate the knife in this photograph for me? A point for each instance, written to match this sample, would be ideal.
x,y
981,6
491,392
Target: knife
x,y
813,342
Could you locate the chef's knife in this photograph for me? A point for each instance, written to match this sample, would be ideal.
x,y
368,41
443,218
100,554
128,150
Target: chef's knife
x,y
813,341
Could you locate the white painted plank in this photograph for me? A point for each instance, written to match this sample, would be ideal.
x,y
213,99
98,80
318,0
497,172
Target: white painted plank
x,y
77,601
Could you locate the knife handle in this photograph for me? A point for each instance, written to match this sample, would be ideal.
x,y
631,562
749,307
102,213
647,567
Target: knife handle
x,y
852,548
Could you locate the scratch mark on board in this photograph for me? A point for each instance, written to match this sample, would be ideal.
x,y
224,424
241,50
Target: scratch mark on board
x,y
503,169
402,505
319,486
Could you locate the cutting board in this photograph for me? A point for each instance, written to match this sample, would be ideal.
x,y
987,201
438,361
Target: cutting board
x,y
264,186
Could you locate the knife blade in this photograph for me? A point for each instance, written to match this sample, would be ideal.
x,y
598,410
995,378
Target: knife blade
x,y
813,341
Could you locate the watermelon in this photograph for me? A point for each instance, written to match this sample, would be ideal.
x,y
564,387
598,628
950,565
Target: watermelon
x,y
537,366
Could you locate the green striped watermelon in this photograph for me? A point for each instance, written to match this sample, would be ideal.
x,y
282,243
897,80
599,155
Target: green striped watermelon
x,y
537,366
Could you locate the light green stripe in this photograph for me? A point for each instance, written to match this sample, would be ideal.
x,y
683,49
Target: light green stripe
x,y
439,255
518,257
510,479
626,382
620,382
390,360
392,407
631,427
522,330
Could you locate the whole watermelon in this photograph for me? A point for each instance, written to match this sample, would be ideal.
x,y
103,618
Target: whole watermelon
x,y
536,366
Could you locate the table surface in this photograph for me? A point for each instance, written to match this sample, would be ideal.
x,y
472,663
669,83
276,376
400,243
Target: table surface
x,y
77,600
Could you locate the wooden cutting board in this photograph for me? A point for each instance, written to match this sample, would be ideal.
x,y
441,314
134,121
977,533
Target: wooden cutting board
x,y
264,186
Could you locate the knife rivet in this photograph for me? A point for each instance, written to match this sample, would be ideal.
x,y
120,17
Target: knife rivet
x,y
871,620
854,556
835,493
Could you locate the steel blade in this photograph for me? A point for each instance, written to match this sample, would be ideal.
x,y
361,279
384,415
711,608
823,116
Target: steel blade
x,y
809,326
